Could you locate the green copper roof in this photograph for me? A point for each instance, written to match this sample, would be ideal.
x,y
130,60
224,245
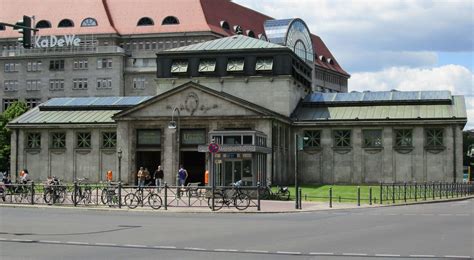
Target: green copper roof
x,y
456,110
35,116
236,42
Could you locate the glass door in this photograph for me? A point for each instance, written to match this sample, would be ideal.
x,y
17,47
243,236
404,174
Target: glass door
x,y
232,172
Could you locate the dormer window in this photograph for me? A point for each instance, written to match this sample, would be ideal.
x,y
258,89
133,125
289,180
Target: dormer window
x,y
264,64
65,23
322,58
238,29
330,61
145,21
43,24
89,22
207,66
179,66
235,65
170,20
225,25
250,33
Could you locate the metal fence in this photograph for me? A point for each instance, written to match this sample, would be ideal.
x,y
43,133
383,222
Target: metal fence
x,y
120,196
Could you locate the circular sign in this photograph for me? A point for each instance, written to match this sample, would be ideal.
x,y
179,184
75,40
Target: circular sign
x,y
213,148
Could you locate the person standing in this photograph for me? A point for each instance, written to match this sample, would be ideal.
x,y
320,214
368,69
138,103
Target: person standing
x,y
159,175
141,178
182,176
147,176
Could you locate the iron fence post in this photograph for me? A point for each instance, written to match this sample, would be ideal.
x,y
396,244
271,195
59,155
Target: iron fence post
x,y
166,196
405,192
393,192
416,191
381,193
433,190
370,195
457,190
299,198
120,194
424,191
74,195
32,192
440,195
358,196
258,196
446,188
330,197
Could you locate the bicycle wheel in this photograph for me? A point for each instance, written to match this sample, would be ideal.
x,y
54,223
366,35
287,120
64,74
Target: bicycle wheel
x,y
87,197
284,195
155,201
264,193
131,200
241,201
104,197
61,195
218,201
78,196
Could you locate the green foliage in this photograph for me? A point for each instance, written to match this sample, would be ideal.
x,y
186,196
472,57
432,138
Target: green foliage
x,y
13,111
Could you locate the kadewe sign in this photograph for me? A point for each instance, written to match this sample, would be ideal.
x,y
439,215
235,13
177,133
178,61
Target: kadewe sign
x,y
57,41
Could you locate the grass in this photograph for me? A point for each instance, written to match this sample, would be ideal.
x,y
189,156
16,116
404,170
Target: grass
x,y
340,193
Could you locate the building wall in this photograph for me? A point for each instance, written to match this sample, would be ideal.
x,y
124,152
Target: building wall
x,y
357,164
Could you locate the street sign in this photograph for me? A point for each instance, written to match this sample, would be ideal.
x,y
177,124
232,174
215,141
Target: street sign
x,y
213,148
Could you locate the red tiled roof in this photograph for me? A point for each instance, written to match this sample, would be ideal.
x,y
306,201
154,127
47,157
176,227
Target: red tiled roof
x,y
121,17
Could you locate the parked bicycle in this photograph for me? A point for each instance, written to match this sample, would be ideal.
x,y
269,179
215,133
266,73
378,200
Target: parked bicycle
x,y
82,192
132,200
229,197
54,192
109,195
21,192
266,193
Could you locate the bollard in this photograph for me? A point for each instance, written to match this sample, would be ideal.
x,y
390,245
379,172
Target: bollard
x,y
166,196
358,196
330,197
32,192
370,195
120,194
258,196
74,195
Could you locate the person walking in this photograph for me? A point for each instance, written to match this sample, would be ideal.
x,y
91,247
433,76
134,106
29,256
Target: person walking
x,y
141,178
182,176
147,176
158,175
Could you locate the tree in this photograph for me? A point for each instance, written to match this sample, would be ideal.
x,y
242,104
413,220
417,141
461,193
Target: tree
x,y
12,112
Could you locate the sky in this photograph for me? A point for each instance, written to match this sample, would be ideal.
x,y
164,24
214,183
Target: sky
x,y
392,44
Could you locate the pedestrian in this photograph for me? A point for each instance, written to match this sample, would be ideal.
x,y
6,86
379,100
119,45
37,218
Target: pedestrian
x,y
147,176
206,177
159,175
25,177
141,177
182,176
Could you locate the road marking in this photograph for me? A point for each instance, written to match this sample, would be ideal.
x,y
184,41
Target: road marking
x,y
129,245
431,256
387,255
409,214
226,250
77,243
49,241
165,247
256,251
105,244
320,253
21,240
464,215
391,214
288,253
354,254
427,214
458,256
195,248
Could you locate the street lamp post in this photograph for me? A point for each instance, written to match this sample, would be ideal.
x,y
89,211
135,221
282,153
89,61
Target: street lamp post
x,y
173,125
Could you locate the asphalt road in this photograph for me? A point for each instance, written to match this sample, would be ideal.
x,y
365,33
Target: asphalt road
x,y
440,230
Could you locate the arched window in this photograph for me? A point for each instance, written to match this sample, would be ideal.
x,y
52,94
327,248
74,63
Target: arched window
x,y
330,61
145,21
2,27
225,25
322,58
170,20
66,23
238,29
89,22
250,33
43,24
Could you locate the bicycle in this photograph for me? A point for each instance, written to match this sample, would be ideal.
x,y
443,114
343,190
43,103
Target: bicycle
x,y
240,200
22,193
282,193
54,192
109,195
83,192
132,200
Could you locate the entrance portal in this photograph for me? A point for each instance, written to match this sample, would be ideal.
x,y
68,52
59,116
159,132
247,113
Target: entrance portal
x,y
195,164
149,160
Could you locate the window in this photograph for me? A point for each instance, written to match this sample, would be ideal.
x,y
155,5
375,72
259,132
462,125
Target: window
x,y
247,139
264,64
170,20
56,65
11,67
139,83
403,137
109,140
207,66
65,23
33,85
33,140
193,136
372,138
238,29
104,63
88,22
342,138
250,33
434,137
56,84
179,67
58,140
104,83
312,138
83,140
225,25
2,27
32,102
8,102
145,21
10,85
33,66
78,84
81,64
233,139
235,65
43,24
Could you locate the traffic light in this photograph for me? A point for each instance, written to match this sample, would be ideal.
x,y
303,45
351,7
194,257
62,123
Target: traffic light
x,y
26,30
